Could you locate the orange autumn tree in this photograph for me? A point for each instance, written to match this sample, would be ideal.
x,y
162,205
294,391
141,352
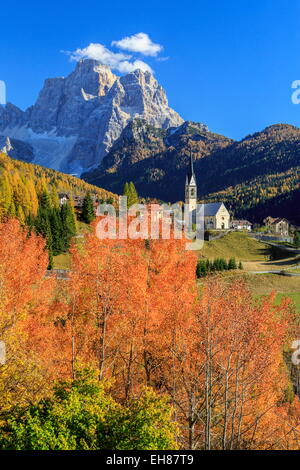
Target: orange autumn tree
x,y
135,313
24,298
116,292
132,310
225,371
105,300
171,297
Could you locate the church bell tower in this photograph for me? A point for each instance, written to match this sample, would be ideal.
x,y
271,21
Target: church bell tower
x,y
191,187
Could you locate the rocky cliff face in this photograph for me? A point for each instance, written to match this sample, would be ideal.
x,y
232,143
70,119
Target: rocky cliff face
x,y
16,149
77,119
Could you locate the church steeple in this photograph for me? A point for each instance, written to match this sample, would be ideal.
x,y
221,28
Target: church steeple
x,y
191,186
190,173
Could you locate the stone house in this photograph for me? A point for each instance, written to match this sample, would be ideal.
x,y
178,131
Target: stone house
x,y
278,225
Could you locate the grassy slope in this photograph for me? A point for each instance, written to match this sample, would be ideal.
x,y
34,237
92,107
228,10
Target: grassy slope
x,y
255,256
237,244
284,286
267,283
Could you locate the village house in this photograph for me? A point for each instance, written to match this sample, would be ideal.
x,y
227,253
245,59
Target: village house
x,y
241,225
78,201
63,198
278,226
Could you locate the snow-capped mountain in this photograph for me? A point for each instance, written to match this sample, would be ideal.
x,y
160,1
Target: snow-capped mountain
x,y
76,119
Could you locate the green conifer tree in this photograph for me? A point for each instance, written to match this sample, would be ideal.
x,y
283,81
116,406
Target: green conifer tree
x,y
232,264
201,270
88,212
69,224
131,193
57,232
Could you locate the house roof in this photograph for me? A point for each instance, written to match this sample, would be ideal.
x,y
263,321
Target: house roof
x,y
212,208
241,222
275,221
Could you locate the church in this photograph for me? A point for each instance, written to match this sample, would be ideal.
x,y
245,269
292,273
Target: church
x,y
216,216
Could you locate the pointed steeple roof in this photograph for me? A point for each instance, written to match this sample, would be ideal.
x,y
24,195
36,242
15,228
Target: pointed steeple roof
x,y
190,177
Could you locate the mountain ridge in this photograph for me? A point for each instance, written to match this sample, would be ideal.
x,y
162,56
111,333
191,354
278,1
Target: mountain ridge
x,y
237,172
76,119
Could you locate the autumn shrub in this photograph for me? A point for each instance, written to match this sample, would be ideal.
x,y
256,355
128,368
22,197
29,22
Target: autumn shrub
x,y
82,415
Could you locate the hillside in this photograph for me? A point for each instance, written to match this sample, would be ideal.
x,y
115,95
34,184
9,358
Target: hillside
x,y
155,159
257,175
276,194
274,150
256,256
20,184
237,244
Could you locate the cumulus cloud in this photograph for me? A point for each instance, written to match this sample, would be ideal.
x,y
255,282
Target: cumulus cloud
x,y
100,53
123,62
125,66
139,42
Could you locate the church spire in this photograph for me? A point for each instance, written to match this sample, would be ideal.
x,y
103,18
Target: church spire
x,y
190,177
191,186
191,166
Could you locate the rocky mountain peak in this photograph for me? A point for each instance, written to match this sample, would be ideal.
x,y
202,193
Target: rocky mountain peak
x,y
91,76
76,119
142,85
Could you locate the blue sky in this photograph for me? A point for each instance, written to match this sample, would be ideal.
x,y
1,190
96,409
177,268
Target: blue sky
x,y
230,63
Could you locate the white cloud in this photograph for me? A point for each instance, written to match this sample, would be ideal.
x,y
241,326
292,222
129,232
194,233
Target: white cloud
x,y
139,42
126,66
115,60
100,53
